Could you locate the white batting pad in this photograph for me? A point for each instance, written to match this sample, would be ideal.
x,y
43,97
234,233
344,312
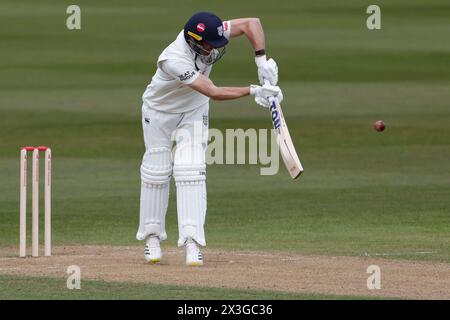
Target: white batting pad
x,y
191,208
156,166
190,174
156,169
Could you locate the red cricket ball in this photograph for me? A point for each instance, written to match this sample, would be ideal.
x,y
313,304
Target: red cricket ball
x,y
379,125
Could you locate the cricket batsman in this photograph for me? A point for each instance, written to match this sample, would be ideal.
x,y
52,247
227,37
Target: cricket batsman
x,y
175,108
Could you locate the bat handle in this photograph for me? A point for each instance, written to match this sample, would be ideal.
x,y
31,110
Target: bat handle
x,y
271,99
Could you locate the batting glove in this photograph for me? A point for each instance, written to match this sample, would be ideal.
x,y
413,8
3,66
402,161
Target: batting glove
x,y
264,93
267,70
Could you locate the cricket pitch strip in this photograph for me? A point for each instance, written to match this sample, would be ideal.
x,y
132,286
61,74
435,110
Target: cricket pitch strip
x,y
285,272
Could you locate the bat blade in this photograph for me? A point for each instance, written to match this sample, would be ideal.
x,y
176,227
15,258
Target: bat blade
x,y
287,149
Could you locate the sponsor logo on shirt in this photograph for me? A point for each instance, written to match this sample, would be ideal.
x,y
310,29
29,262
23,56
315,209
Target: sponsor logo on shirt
x,y
187,75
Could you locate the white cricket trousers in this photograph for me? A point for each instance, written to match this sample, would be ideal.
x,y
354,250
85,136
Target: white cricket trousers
x,y
189,131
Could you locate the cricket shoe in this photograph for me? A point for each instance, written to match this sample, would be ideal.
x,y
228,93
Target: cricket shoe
x,y
152,252
194,257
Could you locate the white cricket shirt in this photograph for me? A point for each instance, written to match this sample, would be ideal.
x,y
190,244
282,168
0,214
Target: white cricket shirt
x,y
177,68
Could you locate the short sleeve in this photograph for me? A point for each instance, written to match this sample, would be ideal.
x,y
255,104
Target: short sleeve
x,y
180,70
226,29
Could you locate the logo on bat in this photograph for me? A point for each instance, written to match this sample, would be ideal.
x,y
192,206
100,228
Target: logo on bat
x,y
275,115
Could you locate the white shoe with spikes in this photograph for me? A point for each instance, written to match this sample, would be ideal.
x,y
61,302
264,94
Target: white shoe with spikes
x,y
152,252
194,257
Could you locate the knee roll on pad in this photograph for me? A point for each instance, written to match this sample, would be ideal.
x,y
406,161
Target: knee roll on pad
x,y
189,173
156,166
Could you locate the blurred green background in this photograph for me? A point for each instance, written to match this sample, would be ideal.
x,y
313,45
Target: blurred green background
x,y
362,192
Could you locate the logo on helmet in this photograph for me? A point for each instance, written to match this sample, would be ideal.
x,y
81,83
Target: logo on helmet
x,y
220,31
200,27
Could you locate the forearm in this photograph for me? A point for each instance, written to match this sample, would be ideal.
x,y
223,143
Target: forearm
x,y
229,93
205,86
255,34
252,29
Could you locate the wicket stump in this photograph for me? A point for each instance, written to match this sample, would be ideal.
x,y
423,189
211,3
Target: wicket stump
x,y
35,201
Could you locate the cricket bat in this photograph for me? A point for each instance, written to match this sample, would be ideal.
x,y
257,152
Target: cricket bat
x,y
287,149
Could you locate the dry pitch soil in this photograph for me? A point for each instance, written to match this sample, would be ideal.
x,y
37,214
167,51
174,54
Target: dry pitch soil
x,y
242,270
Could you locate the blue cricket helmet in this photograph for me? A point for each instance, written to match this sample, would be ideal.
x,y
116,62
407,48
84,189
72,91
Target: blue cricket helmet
x,y
206,27
205,36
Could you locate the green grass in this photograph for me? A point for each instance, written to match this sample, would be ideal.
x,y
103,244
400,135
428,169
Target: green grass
x,y
43,288
362,192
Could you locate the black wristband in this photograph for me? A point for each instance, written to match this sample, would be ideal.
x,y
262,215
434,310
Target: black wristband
x,y
260,52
